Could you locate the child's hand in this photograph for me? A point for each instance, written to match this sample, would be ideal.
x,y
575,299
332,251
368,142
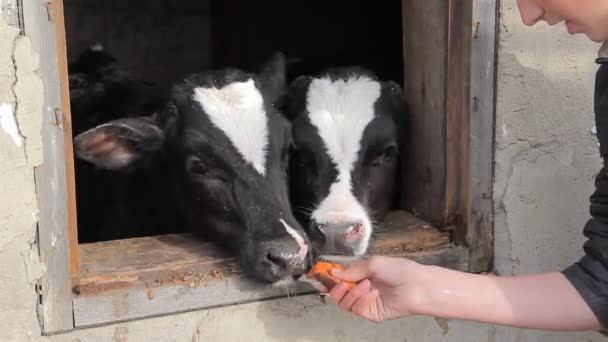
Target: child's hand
x,y
387,288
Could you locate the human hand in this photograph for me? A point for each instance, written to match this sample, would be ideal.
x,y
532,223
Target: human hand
x,y
387,288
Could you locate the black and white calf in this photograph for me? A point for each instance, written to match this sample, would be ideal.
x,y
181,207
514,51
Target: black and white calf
x,y
226,147
345,158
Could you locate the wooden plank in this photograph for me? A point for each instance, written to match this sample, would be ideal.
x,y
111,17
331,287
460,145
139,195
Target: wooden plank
x,y
480,236
425,57
196,293
457,120
64,84
456,258
150,253
400,232
142,302
54,289
143,277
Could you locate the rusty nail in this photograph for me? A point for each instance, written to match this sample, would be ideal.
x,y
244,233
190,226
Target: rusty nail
x,y
476,29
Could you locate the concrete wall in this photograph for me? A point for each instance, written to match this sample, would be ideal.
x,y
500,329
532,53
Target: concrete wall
x,y
545,161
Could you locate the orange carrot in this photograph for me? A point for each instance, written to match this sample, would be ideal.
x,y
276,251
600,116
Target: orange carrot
x,y
321,272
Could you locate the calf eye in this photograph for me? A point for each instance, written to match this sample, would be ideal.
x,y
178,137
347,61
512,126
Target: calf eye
x,y
196,166
386,156
199,171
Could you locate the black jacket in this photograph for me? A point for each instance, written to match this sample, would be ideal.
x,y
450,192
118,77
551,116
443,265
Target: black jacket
x,y
590,274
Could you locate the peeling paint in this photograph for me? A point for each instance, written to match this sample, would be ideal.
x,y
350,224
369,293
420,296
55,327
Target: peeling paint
x,y
34,268
9,124
121,334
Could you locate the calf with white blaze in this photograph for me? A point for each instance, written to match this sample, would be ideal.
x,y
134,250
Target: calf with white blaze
x,y
345,125
227,148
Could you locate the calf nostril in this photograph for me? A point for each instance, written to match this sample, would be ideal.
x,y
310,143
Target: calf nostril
x,y
355,231
276,260
359,228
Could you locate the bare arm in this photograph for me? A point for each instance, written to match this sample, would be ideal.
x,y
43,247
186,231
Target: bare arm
x,y
545,301
389,288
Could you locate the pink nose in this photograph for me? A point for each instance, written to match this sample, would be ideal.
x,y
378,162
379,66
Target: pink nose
x,y
355,232
342,238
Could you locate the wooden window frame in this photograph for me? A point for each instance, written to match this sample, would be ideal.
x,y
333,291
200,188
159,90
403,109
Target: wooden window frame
x,y
449,49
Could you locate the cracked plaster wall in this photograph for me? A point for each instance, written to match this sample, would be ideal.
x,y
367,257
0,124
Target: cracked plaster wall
x,y
546,150
545,161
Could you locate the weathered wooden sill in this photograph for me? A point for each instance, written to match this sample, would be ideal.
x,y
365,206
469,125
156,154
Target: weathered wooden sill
x,y
150,276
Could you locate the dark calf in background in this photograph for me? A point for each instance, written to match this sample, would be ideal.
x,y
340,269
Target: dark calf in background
x,y
346,131
225,146
131,202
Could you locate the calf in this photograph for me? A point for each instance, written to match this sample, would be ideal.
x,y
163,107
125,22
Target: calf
x,y
101,89
345,157
130,203
226,147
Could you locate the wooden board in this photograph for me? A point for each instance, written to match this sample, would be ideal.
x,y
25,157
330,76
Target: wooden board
x,y
66,124
142,277
457,119
425,59
54,289
449,49
480,236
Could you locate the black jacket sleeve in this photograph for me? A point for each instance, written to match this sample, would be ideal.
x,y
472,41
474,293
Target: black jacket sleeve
x,y
590,274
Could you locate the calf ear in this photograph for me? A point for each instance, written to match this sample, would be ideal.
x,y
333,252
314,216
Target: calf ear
x,y
273,78
120,144
399,106
295,100
396,98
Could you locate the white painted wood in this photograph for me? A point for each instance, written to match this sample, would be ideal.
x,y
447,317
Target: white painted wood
x,y
55,308
483,100
136,303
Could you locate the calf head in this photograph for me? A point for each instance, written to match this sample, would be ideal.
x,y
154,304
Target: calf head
x,y
345,156
227,149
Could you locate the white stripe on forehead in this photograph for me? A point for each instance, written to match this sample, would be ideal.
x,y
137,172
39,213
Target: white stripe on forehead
x,y
238,110
341,110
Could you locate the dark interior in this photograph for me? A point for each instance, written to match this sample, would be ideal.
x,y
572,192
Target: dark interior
x,y
164,40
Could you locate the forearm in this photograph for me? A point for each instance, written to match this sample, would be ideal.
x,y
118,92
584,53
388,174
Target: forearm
x,y
545,301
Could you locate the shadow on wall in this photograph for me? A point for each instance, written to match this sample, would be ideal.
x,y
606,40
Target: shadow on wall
x,y
307,319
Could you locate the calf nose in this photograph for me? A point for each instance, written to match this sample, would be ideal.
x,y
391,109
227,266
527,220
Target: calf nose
x,y
348,231
342,238
283,260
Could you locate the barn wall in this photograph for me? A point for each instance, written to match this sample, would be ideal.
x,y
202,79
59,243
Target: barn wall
x,y
159,40
541,141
